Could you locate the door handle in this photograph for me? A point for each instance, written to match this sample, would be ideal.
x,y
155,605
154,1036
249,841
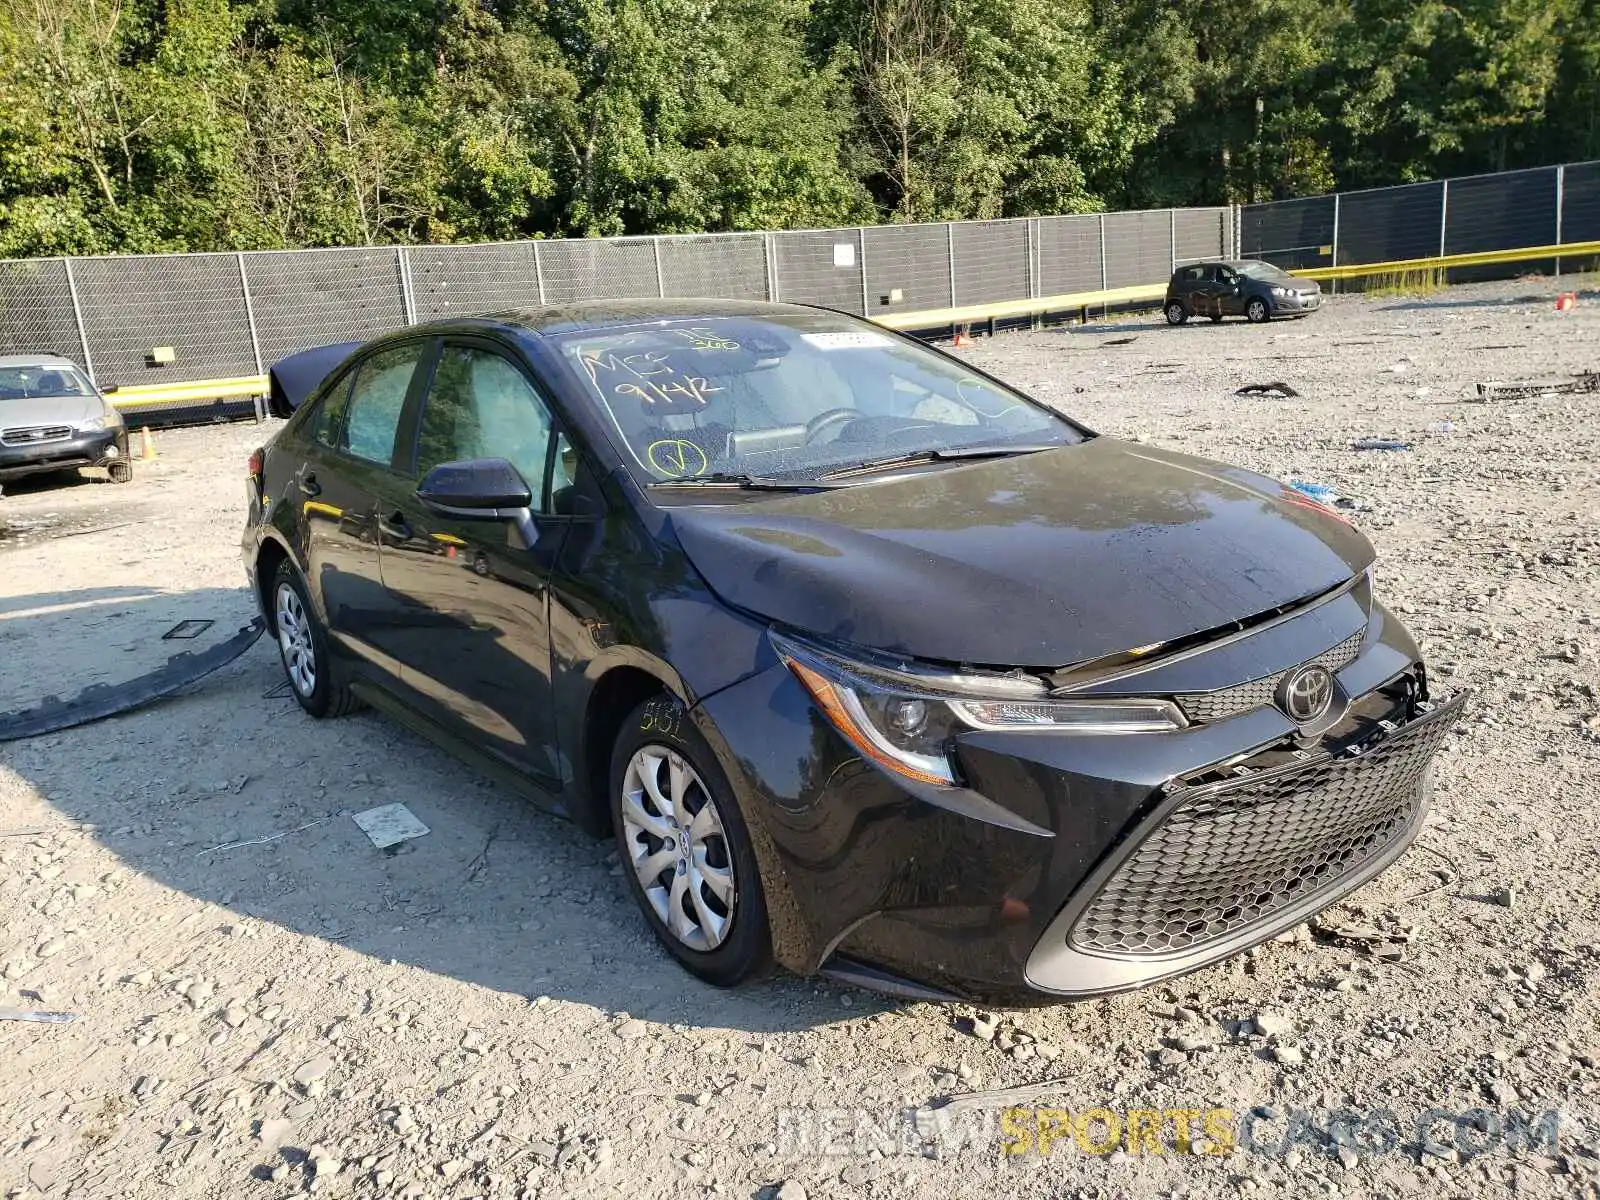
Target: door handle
x,y
309,485
394,526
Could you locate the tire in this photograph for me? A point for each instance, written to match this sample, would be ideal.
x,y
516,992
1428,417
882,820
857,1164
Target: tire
x,y
1176,313
120,472
1257,312
303,649
725,939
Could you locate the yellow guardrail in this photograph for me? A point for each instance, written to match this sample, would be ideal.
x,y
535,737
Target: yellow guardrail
x,y
1441,262
968,314
143,395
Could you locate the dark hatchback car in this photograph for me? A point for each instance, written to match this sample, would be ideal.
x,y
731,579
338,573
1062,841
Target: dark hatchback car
x,y
1248,288
868,662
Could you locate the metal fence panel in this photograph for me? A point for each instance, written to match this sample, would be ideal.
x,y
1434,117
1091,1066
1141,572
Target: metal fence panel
x,y
991,259
1390,223
1069,255
1580,210
1501,212
820,266
191,302
460,281
306,298
597,269
1138,248
1202,233
913,259
1294,234
729,266
36,309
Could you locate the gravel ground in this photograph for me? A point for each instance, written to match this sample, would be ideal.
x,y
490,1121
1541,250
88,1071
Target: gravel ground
x,y
484,1013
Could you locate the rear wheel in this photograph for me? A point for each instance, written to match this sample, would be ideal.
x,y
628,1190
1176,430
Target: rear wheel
x,y
303,647
1176,313
1257,312
685,849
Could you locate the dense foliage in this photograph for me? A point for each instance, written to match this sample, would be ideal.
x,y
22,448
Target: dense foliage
x,y
136,125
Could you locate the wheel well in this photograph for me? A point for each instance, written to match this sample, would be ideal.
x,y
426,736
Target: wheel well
x,y
617,694
267,560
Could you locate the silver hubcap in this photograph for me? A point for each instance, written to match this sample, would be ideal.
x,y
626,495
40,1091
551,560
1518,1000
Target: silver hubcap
x,y
1175,313
294,639
678,847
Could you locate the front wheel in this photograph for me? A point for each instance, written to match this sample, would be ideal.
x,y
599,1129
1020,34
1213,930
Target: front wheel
x,y
685,850
303,647
1257,312
1176,313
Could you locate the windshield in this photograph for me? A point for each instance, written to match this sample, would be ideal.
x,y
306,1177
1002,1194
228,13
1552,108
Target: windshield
x,y
1261,270
42,379
792,397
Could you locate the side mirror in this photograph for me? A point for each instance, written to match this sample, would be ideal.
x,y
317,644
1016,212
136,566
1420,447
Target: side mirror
x,y
480,488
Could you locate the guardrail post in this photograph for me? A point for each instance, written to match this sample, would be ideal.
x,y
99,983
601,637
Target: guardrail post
x,y
77,315
950,257
538,273
1444,215
661,282
1561,197
407,305
250,315
861,261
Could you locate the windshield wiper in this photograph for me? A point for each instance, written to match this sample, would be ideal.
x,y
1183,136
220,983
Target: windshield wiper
x,y
753,483
942,455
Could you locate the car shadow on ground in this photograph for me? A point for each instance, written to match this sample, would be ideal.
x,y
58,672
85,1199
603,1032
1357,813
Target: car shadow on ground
x,y
230,794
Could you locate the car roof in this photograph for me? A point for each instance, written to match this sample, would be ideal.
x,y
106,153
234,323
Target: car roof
x,y
603,314
53,361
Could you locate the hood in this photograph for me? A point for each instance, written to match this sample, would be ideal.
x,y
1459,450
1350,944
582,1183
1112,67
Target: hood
x,y
49,410
1043,560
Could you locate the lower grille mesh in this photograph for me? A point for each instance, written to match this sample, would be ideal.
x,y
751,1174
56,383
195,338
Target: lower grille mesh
x,y
1237,852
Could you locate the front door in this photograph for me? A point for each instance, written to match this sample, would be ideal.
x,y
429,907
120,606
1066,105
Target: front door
x,y
471,600
352,439
1230,292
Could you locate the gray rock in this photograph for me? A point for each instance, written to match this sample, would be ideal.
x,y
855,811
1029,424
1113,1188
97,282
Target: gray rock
x,y
633,1029
1289,1056
789,1189
313,1070
1271,1024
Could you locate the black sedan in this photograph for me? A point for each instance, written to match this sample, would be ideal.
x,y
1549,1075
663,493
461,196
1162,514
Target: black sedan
x,y
869,663
1248,288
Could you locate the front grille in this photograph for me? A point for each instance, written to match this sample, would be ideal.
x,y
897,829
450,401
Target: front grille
x,y
1258,693
1233,853
38,435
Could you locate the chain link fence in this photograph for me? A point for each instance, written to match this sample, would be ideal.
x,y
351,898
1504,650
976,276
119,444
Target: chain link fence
x,y
232,315
1512,210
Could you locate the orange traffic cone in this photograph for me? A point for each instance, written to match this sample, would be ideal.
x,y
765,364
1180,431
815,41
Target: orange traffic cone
x,y
147,444
1566,301
963,338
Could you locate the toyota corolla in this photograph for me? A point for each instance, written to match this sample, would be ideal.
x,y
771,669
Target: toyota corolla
x,y
869,663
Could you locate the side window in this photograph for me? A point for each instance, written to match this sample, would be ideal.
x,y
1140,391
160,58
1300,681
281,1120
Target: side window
x,y
325,423
481,406
1193,274
376,398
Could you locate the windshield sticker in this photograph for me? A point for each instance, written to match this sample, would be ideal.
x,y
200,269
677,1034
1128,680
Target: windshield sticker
x,y
676,458
649,377
847,339
703,339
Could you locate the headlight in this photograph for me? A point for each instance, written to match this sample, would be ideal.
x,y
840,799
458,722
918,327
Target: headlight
x,y
904,717
1280,291
110,419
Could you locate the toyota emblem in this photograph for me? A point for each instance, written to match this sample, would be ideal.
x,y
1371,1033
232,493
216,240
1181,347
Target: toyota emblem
x,y
1305,694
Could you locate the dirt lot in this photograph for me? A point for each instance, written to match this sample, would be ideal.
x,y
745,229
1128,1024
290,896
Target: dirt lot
x,y
484,1013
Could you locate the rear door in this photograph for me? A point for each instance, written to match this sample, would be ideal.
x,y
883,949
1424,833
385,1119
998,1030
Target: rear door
x,y
470,600
352,440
